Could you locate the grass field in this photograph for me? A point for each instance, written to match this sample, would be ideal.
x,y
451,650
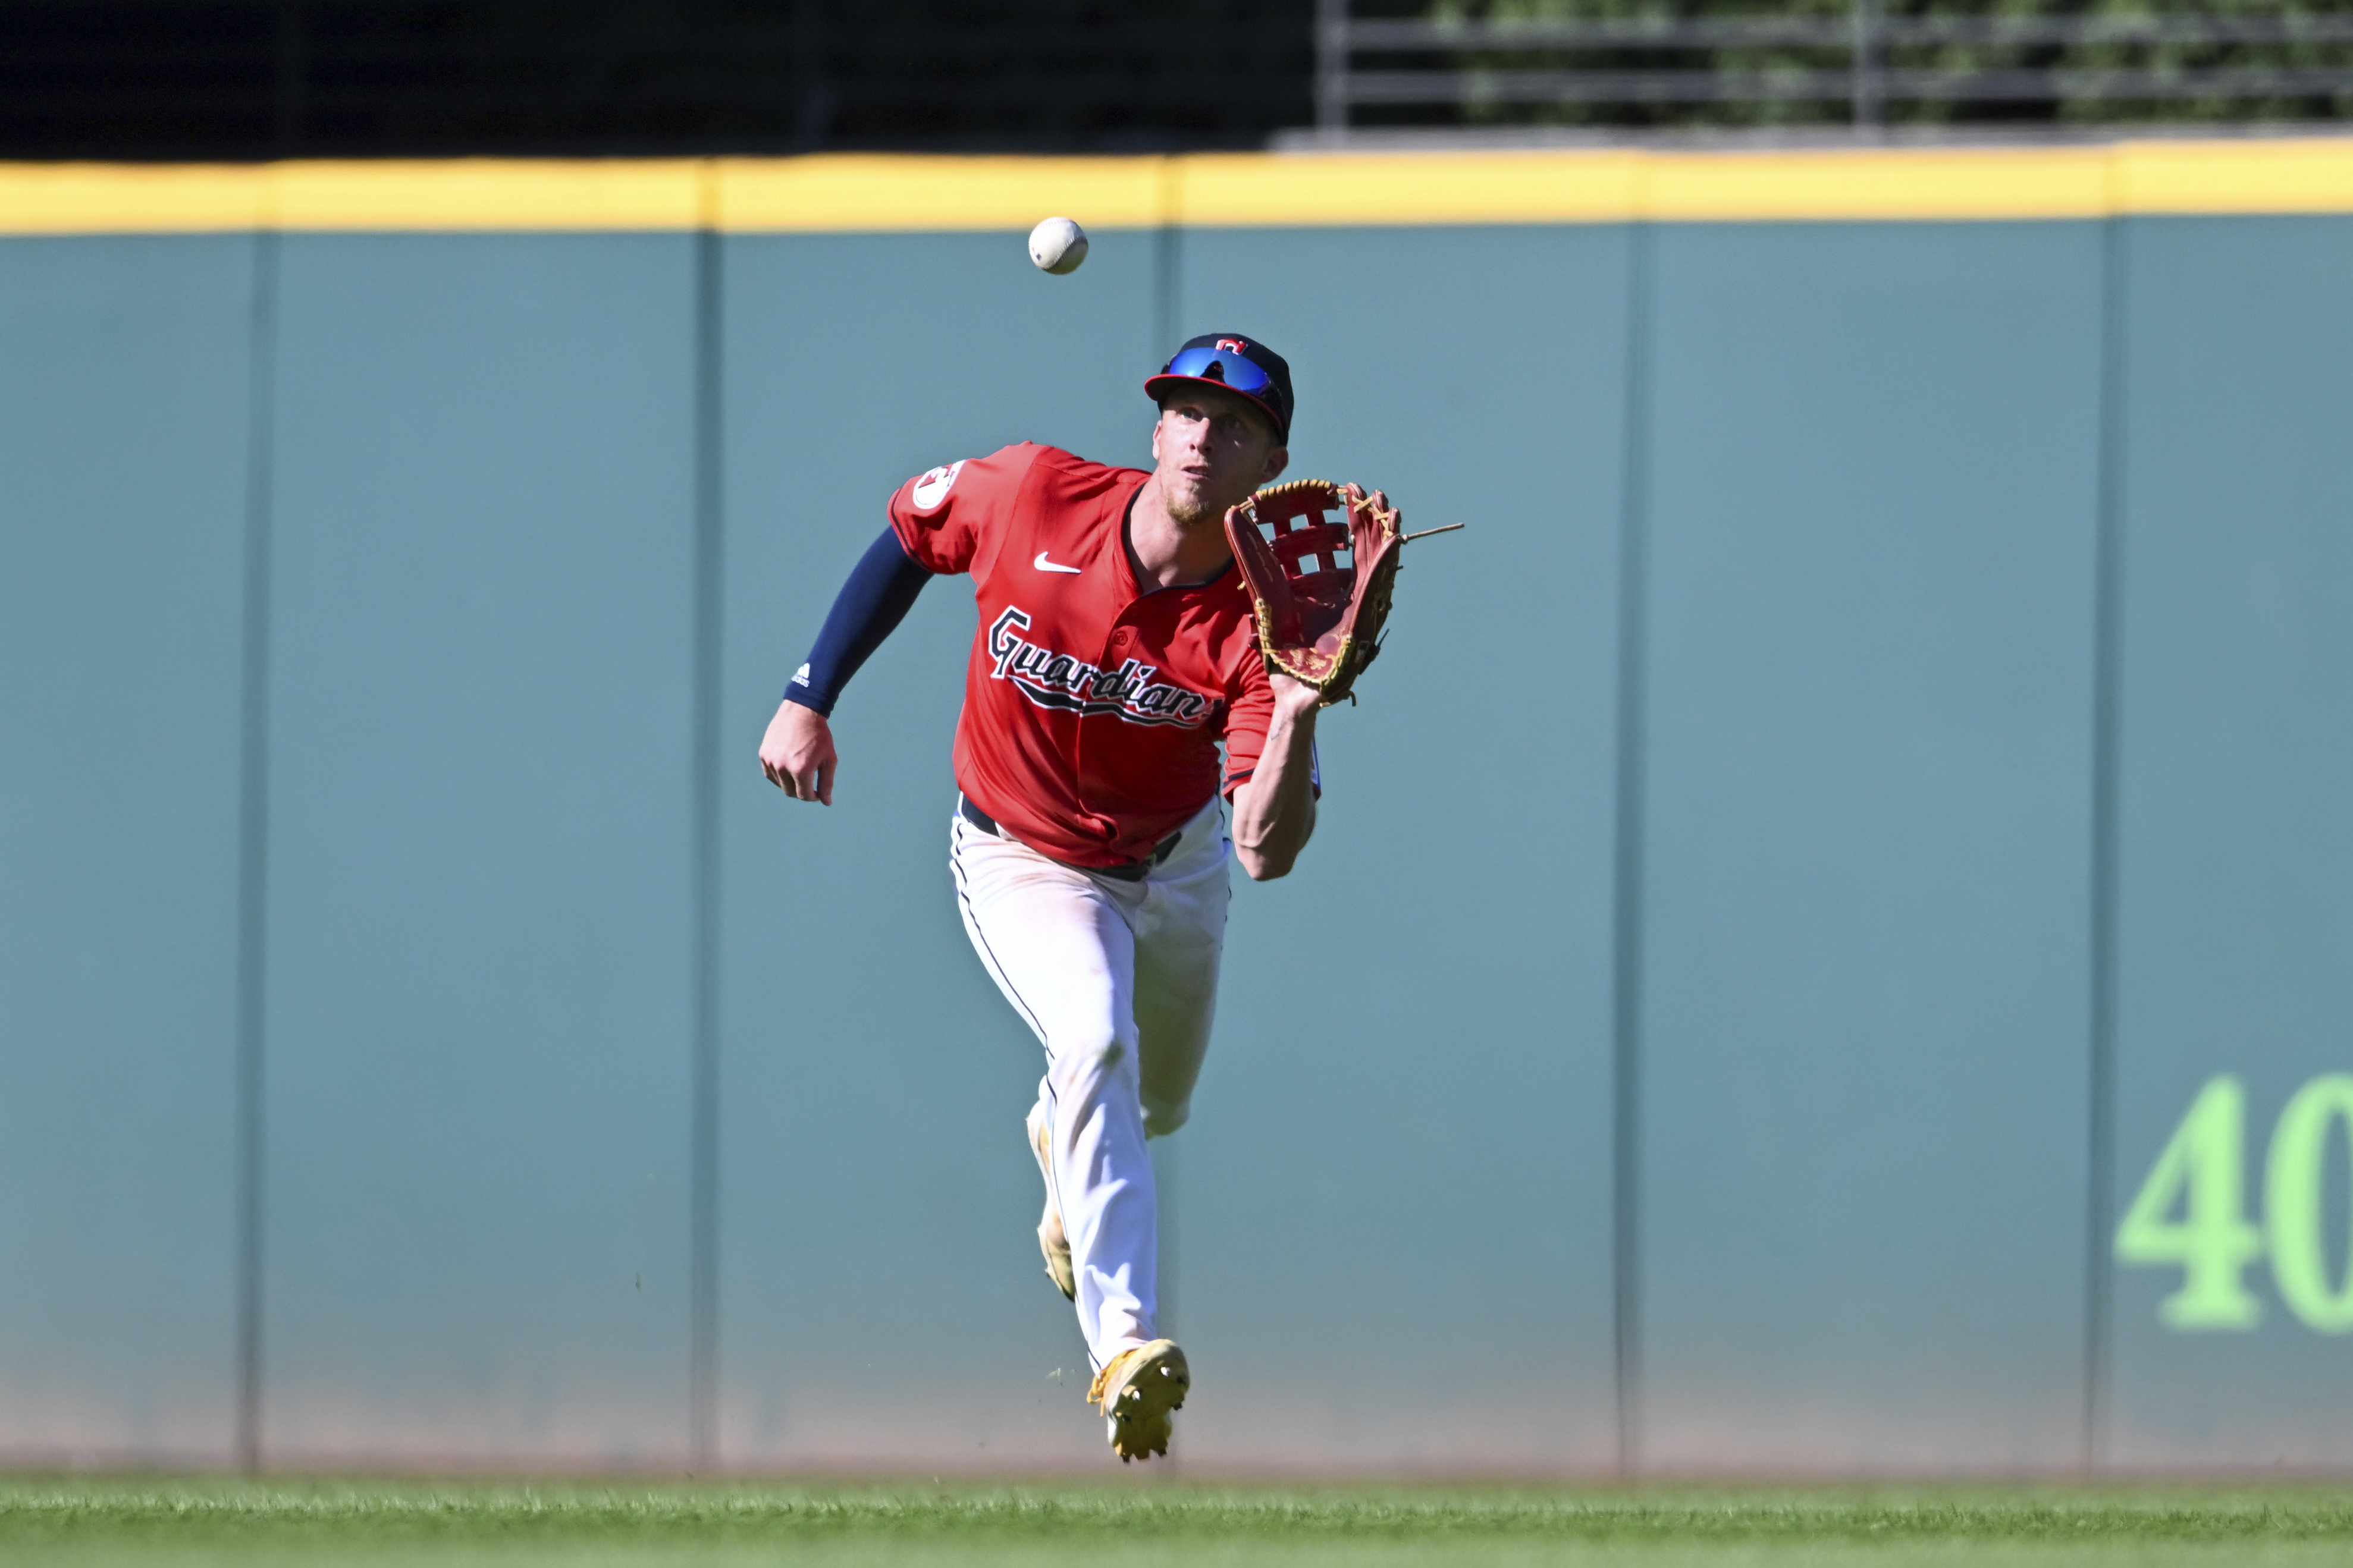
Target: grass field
x,y
82,1521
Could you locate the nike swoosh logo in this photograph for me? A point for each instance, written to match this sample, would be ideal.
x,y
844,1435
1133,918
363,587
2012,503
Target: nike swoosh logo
x,y
1045,566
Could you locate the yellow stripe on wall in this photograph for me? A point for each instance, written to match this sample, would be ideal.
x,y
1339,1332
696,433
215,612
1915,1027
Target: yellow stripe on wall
x,y
2314,176
850,193
490,193
847,193
112,198
1301,189
1922,184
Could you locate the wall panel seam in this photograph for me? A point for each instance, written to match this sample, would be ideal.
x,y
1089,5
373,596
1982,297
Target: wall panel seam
x,y
2107,615
253,845
1626,984
707,673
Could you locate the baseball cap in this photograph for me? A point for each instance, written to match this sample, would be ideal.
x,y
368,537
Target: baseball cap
x,y
1236,363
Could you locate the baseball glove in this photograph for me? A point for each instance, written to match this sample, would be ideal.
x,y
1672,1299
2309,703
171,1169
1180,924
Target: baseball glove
x,y
1321,584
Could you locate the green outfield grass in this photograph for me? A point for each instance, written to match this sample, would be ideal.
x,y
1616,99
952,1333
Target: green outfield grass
x,y
83,1521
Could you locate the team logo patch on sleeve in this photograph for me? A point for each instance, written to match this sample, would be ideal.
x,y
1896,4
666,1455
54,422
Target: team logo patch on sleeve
x,y
1057,680
932,487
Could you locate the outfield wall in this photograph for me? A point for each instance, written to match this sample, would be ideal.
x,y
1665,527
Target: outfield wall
x,y
1871,775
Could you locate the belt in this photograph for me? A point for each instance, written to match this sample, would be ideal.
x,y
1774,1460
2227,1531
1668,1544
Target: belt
x,y
1132,872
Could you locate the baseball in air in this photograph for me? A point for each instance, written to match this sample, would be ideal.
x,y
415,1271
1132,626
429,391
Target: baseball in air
x,y
1058,245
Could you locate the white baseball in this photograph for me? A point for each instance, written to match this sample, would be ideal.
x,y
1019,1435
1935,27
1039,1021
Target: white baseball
x,y
1058,245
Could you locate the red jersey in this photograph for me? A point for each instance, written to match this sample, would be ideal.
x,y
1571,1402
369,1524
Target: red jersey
x,y
1092,708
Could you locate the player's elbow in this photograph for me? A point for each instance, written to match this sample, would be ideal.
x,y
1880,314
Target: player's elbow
x,y
1265,865
1272,855
1267,844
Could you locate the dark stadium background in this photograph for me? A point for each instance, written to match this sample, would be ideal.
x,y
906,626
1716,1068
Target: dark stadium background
x,y
248,80
265,78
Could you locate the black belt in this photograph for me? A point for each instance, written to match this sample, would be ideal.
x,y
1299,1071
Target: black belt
x,y
1132,872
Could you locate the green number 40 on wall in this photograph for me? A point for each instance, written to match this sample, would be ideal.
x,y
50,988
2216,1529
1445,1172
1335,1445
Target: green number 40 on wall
x,y
2202,1171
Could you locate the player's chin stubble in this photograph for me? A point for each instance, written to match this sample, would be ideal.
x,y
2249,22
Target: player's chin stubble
x,y
1191,507
1193,512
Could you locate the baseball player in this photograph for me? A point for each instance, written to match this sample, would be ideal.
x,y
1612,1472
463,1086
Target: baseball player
x,y
1116,653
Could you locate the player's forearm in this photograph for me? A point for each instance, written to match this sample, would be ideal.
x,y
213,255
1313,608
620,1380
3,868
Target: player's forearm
x,y
871,603
1274,811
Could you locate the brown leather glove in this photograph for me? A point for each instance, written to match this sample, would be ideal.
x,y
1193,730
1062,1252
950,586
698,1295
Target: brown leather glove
x,y
1320,560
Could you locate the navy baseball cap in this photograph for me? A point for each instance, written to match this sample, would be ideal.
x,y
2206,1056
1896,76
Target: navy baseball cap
x,y
1236,363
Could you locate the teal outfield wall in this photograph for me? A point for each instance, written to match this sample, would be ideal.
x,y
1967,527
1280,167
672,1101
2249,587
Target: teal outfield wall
x,y
1856,828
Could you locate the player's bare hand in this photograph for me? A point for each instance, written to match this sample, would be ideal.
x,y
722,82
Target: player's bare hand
x,y
797,754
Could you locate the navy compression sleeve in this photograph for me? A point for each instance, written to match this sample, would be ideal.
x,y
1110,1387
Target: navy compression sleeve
x,y
881,590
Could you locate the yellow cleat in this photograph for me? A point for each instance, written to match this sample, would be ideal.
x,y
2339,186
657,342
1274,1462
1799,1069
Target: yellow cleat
x,y
1139,1390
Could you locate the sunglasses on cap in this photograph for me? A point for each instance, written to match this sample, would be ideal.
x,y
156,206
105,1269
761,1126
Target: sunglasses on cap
x,y
1210,363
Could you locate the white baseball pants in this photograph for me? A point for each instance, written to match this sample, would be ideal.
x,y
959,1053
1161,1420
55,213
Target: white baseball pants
x,y
1120,980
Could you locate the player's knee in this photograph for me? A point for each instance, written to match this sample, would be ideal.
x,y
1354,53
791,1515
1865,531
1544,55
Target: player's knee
x,y
1082,1064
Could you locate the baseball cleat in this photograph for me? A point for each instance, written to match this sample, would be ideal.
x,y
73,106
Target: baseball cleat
x,y
1139,1390
1052,1240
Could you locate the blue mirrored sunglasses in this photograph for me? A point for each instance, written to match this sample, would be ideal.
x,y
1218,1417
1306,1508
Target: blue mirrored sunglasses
x,y
1220,365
